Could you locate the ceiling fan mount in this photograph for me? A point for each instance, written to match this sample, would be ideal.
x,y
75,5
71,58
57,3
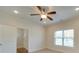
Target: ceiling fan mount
x,y
44,13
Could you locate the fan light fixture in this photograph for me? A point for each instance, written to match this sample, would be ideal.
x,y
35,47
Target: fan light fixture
x,y
44,13
44,22
43,16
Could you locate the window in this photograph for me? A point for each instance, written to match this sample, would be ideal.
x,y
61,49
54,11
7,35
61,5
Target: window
x,y
64,38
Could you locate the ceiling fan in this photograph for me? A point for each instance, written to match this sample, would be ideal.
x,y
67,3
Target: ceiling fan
x,y
44,13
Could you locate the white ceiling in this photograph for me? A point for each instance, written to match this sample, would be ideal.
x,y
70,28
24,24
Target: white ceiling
x,y
63,13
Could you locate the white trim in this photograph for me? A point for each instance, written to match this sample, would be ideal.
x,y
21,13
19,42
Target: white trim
x,y
35,50
57,50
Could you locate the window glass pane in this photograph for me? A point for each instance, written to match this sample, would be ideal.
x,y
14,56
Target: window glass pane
x,y
58,34
69,33
68,37
68,42
58,41
64,37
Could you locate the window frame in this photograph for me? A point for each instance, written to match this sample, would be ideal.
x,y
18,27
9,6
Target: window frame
x,y
63,38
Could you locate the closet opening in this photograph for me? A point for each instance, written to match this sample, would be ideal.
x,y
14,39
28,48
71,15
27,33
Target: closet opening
x,y
22,40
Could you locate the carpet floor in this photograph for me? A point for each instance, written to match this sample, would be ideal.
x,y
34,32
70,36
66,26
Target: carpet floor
x,y
47,51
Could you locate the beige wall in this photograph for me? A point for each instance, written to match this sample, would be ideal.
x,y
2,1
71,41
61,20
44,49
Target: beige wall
x,y
69,24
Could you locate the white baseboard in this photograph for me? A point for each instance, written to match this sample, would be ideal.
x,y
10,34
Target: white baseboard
x,y
57,50
33,51
52,49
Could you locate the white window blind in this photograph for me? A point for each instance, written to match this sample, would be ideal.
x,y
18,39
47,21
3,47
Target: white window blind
x,y
64,38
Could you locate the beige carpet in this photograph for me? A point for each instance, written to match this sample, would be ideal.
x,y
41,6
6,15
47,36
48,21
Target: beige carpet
x,y
47,51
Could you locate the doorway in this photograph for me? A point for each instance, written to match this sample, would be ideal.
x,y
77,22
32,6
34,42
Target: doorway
x,y
22,40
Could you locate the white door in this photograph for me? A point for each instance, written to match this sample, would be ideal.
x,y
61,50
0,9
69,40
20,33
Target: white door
x,y
9,36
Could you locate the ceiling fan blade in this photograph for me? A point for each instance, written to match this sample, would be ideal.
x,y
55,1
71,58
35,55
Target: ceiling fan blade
x,y
34,14
53,12
39,8
49,18
41,19
44,10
